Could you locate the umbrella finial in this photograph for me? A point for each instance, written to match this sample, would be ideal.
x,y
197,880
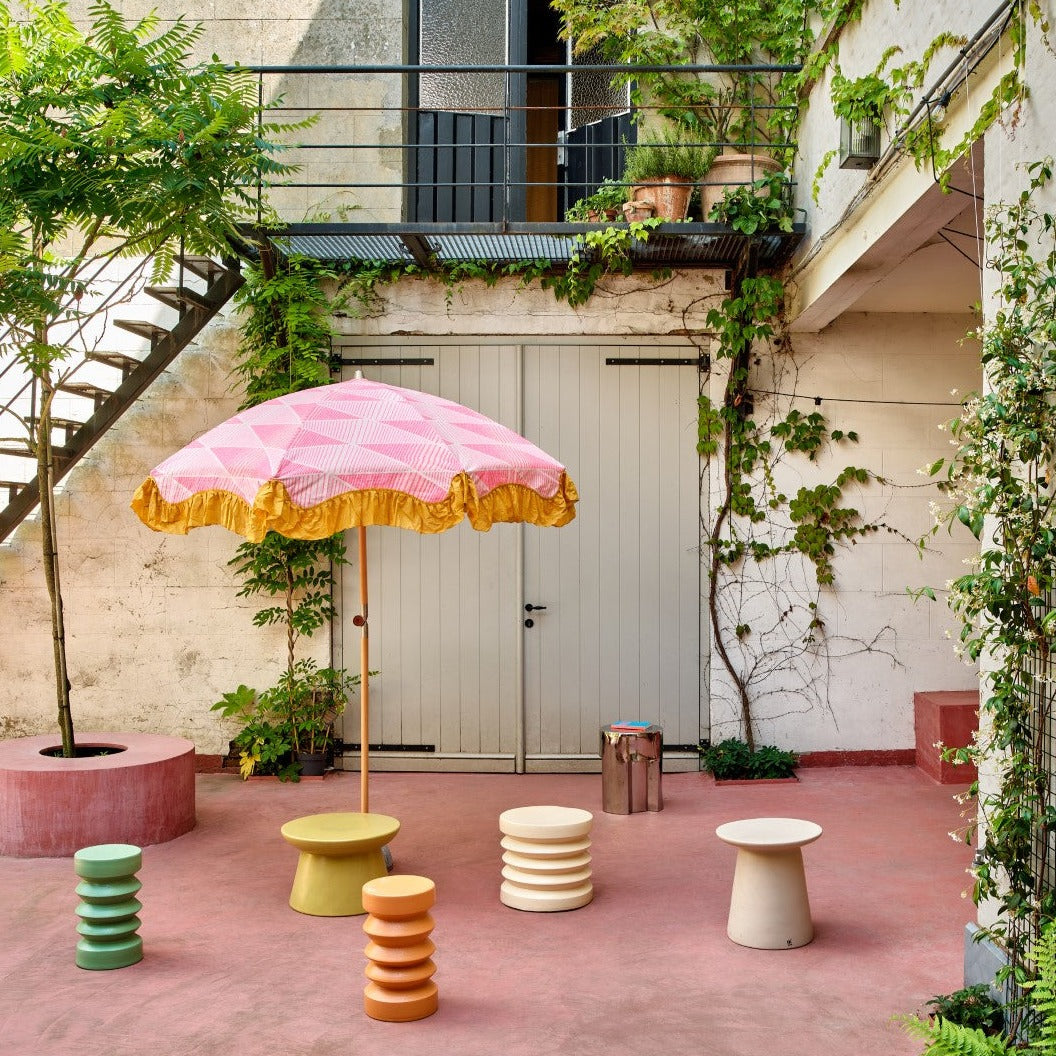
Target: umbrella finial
x,y
358,375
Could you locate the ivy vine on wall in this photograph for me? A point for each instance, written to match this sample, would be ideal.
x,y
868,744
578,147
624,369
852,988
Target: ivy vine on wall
x,y
755,520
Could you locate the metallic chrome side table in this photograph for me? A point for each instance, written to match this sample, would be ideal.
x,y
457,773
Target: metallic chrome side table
x,y
632,766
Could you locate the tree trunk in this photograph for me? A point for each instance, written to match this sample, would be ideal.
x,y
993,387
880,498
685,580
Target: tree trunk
x,y
734,383
49,547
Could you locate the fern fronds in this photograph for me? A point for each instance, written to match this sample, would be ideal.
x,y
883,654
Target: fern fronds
x,y
1042,995
951,1039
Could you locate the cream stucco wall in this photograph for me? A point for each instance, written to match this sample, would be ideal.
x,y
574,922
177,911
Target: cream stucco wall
x,y
889,378
155,632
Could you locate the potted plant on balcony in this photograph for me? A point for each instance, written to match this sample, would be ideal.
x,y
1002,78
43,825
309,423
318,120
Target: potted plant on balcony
x,y
604,204
664,170
755,208
746,116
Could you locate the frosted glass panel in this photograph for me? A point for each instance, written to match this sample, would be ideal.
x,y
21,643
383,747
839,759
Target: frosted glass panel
x,y
462,33
593,94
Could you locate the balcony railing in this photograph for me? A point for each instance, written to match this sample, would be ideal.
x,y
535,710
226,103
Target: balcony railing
x,y
420,163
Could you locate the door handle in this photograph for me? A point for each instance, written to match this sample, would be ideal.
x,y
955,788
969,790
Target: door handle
x,y
534,608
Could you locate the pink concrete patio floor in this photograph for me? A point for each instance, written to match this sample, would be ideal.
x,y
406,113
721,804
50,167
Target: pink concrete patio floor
x,y
646,968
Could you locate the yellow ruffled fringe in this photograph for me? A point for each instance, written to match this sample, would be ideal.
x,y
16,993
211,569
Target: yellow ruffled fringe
x,y
274,511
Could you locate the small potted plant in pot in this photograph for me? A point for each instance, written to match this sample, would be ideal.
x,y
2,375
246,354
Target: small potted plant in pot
x,y
664,171
603,205
288,729
313,699
757,207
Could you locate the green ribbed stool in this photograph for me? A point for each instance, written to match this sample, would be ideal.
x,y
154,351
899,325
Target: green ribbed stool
x,y
108,906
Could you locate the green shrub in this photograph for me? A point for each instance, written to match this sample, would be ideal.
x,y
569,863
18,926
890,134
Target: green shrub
x,y
972,1006
609,196
756,207
732,759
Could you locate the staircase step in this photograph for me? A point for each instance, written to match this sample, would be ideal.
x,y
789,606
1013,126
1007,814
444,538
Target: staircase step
x,y
59,423
139,369
58,452
124,363
204,267
178,297
95,393
13,487
151,331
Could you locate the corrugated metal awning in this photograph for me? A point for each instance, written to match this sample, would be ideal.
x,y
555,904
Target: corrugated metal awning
x,y
687,245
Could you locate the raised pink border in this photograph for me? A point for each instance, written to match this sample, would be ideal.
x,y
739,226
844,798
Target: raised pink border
x,y
52,807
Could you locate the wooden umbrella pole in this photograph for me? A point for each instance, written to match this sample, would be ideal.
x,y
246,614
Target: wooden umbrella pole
x,y
364,678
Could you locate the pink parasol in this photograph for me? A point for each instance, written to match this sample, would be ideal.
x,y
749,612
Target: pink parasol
x,y
357,453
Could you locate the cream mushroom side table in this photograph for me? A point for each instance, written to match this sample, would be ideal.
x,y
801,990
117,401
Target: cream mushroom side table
x,y
769,908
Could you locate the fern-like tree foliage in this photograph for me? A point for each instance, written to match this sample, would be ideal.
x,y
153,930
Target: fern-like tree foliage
x,y
117,148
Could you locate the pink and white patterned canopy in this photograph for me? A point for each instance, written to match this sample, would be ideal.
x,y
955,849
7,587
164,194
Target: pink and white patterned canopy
x,y
355,453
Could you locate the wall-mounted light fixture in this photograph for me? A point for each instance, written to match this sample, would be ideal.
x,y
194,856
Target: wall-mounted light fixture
x,y
859,144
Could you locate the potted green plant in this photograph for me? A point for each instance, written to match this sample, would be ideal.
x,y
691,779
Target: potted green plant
x,y
288,729
971,1006
860,106
313,698
664,170
604,204
744,115
757,207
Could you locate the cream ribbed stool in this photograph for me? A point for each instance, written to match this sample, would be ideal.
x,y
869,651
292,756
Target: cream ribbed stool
x,y
546,860
769,909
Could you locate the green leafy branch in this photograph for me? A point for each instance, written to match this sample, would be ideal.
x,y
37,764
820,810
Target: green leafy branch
x,y
1000,485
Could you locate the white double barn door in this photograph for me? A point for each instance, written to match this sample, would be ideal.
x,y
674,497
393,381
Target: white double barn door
x,y
463,683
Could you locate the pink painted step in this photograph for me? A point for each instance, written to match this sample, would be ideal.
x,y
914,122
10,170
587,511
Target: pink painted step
x,y
949,716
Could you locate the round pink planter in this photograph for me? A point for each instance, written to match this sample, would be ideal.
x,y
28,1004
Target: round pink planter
x,y
50,808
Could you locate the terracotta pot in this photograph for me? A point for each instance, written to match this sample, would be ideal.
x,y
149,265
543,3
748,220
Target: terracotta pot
x,y
598,216
668,194
638,210
732,170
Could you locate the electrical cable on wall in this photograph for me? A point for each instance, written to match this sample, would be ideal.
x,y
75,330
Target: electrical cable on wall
x,y
817,400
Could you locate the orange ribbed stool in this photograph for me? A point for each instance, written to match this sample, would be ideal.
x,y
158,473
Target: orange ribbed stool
x,y
400,969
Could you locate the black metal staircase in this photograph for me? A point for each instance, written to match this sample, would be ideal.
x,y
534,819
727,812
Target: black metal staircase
x,y
195,308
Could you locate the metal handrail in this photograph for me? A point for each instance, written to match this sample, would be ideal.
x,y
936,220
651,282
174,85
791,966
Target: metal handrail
x,y
393,145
